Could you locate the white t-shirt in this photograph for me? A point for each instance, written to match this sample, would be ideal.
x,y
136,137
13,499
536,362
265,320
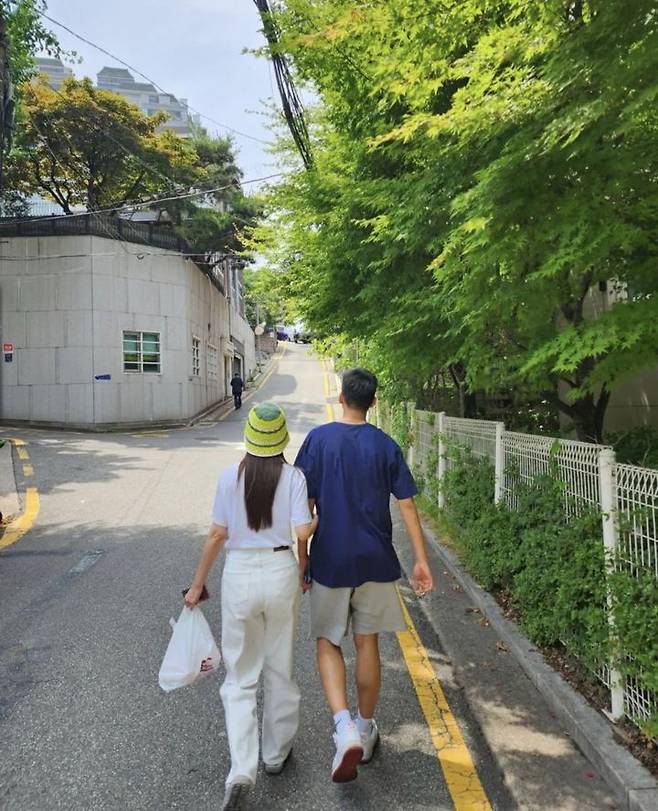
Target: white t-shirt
x,y
290,507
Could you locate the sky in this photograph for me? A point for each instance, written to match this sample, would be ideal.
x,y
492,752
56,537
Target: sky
x,y
193,49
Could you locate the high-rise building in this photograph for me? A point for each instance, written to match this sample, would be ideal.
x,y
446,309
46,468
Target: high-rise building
x,y
142,94
148,98
55,70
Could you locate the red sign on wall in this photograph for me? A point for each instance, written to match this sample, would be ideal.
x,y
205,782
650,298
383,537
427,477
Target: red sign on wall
x,y
7,347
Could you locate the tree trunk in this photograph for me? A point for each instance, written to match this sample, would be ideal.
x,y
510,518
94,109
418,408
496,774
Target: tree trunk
x,y
587,415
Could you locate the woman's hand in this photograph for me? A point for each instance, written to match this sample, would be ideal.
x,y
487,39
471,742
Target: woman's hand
x,y
193,595
303,568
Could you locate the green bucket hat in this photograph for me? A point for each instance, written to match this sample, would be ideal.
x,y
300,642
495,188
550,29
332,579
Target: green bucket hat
x,y
266,432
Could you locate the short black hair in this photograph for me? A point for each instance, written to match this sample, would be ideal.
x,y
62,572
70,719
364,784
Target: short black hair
x,y
359,388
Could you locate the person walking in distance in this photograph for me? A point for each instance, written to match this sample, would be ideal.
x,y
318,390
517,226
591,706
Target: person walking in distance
x,y
237,387
256,503
352,468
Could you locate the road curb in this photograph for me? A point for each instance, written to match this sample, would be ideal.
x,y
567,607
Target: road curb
x,y
635,787
9,502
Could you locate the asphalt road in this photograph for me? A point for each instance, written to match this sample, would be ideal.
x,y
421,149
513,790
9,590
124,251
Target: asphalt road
x,y
85,600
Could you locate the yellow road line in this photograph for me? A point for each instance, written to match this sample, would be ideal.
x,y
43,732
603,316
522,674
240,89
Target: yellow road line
x,y
456,762
330,412
19,526
15,530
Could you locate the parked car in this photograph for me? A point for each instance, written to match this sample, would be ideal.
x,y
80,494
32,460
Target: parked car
x,y
282,336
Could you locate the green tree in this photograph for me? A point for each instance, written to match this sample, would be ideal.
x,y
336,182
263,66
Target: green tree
x,y
481,170
27,36
86,147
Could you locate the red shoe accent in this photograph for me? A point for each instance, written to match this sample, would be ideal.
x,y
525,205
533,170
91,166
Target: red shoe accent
x,y
346,770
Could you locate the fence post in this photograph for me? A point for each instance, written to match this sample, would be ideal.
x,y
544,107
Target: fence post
x,y
411,423
500,463
608,500
442,459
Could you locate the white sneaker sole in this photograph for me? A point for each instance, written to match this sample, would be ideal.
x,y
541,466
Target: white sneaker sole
x,y
346,771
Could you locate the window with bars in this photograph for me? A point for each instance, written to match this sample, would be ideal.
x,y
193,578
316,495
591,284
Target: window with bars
x,y
141,352
212,362
196,356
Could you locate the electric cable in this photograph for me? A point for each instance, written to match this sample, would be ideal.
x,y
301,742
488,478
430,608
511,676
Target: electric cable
x,y
148,79
137,204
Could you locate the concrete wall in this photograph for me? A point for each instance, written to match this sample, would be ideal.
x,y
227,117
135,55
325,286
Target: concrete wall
x,y
635,402
66,317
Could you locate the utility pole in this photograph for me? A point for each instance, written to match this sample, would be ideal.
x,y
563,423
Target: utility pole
x,y
6,95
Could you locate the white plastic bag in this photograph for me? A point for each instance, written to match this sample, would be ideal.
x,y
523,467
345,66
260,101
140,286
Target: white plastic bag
x,y
191,653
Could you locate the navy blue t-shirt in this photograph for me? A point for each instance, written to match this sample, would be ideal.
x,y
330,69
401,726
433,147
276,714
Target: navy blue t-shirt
x,y
351,471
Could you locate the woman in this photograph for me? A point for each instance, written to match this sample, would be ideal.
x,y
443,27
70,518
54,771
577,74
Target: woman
x,y
255,505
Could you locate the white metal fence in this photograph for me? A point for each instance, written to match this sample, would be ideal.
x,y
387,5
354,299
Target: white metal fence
x,y
626,495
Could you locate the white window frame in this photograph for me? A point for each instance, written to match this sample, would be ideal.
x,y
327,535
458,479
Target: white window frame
x,y
196,356
212,361
138,337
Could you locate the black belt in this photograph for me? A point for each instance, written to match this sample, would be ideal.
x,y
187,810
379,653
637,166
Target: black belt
x,y
280,548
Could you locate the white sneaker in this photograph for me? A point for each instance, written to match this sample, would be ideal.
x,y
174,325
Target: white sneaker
x,y
349,751
237,794
369,740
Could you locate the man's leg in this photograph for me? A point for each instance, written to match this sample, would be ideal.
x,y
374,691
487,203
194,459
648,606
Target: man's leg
x,y
332,672
329,620
368,672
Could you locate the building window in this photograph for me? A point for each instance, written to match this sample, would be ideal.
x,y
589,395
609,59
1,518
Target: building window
x,y
196,356
141,352
154,99
212,361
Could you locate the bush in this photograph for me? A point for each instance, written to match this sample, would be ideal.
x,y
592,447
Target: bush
x,y
552,569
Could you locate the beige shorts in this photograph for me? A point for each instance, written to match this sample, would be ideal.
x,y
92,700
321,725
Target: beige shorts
x,y
371,608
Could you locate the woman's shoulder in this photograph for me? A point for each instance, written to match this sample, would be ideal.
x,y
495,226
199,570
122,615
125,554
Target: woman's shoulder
x,y
229,475
292,471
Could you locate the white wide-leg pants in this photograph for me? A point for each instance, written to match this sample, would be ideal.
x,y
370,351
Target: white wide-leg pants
x,y
260,605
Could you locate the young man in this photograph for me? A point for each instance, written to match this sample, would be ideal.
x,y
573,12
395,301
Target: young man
x,y
352,468
237,387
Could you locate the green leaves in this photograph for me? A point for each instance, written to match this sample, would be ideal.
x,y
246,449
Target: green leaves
x,y
481,167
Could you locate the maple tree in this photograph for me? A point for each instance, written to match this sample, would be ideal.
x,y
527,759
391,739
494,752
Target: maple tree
x,y
483,194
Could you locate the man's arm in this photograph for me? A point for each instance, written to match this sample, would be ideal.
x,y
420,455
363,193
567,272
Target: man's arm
x,y
422,576
302,549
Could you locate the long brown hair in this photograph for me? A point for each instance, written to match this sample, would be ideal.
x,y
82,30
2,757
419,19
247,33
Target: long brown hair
x,y
261,478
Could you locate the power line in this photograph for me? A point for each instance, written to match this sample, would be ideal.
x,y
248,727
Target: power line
x,y
293,109
139,203
148,79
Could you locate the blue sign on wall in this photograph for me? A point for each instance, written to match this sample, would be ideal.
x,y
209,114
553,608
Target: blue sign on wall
x,y
103,377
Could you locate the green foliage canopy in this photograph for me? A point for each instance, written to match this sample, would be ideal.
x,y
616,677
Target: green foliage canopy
x,y
484,191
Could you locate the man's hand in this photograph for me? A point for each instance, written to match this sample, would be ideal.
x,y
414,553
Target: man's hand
x,y
422,580
192,596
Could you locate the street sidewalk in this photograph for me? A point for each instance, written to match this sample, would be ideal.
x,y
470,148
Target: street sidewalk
x,y
541,766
